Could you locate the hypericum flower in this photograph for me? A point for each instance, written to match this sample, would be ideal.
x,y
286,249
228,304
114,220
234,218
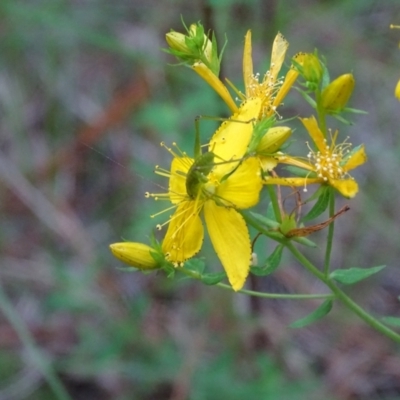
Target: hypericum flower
x,y
329,164
137,255
217,183
272,89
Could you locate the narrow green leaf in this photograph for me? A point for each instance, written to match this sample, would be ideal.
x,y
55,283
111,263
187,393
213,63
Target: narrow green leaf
x,y
213,278
195,265
299,172
317,314
269,223
320,206
395,321
271,264
354,275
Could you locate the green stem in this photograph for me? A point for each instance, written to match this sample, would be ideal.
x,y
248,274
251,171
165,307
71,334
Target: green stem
x,y
26,338
198,276
346,300
331,229
274,202
321,114
278,295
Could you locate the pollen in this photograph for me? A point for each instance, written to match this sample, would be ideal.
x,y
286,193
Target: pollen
x,y
266,90
328,161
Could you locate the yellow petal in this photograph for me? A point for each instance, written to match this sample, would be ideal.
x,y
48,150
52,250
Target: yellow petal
x,y
397,90
356,159
247,62
347,187
268,163
290,78
177,181
279,49
231,139
311,125
230,238
185,233
242,188
216,84
135,254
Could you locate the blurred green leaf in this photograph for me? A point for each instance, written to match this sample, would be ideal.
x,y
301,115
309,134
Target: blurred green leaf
x,y
317,314
354,275
395,321
271,264
320,206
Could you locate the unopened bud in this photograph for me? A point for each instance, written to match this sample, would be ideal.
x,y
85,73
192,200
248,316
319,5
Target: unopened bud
x,y
312,68
203,40
273,139
192,47
137,255
336,95
177,41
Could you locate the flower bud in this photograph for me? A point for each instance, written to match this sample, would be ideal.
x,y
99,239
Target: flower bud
x,y
312,68
203,40
193,47
336,95
273,139
135,254
177,41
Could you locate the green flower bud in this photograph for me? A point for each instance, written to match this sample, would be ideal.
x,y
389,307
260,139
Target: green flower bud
x,y
193,47
312,68
177,41
336,95
137,255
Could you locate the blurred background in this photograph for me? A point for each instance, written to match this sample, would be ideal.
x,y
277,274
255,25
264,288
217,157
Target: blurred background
x,y
86,96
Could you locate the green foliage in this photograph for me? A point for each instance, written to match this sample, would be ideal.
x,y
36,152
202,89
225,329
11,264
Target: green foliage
x,y
271,264
354,275
314,316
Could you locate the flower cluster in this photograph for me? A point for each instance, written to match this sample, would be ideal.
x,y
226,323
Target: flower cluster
x,y
247,154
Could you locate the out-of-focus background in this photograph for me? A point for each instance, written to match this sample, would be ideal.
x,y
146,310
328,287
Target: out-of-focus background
x,y
86,96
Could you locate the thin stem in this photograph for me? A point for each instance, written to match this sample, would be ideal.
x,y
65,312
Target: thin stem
x,y
278,295
346,300
274,202
321,113
197,275
331,229
26,338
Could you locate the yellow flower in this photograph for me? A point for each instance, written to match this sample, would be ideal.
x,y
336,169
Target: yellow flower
x,y
272,89
135,254
218,183
329,164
